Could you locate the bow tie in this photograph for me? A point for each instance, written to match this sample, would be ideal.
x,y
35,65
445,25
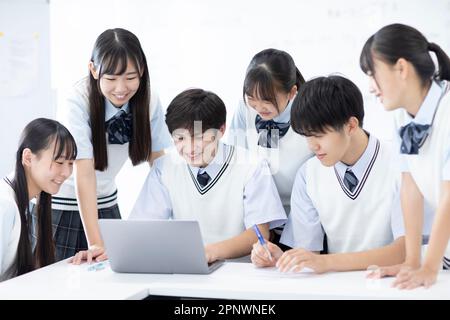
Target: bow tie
x,y
119,128
413,137
270,132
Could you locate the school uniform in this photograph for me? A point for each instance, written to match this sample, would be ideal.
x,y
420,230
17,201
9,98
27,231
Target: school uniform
x,y
284,149
10,227
67,226
424,145
231,194
357,207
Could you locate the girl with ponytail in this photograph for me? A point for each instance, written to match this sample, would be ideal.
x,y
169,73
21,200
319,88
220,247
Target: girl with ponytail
x,y
44,161
403,76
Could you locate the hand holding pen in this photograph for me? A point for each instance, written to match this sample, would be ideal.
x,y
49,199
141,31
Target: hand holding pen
x,y
262,241
264,253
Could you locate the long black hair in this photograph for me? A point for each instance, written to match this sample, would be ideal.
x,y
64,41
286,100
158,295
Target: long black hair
x,y
397,41
37,136
269,71
113,49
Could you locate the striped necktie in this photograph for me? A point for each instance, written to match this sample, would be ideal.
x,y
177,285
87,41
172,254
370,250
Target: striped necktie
x,y
350,180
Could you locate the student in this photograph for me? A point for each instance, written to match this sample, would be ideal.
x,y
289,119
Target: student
x,y
403,75
113,116
44,160
223,187
262,121
348,191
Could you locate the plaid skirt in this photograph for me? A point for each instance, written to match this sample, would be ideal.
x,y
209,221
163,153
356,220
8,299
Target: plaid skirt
x,y
68,231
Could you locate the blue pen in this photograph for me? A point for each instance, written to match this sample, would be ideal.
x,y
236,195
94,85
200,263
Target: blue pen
x,y
262,241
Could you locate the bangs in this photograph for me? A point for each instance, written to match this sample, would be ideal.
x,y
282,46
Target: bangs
x,y
65,146
194,118
307,131
366,58
116,62
309,125
258,84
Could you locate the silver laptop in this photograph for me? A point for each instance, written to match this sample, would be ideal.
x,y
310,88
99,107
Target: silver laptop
x,y
155,246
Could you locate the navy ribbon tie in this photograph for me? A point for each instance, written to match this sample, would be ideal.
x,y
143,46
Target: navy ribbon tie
x,y
203,178
270,132
413,137
350,180
119,128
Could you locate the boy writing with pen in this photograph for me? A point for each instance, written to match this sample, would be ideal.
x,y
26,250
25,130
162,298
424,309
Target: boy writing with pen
x,y
347,194
225,188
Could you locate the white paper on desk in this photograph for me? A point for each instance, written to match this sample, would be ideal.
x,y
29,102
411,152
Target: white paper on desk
x,y
275,273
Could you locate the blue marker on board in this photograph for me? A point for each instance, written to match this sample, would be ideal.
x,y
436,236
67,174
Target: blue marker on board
x,y
262,241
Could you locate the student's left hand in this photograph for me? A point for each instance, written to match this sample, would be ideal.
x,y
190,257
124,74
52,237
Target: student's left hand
x,y
411,279
296,259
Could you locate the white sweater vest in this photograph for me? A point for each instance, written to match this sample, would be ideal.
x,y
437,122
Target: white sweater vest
x,y
284,161
360,220
218,207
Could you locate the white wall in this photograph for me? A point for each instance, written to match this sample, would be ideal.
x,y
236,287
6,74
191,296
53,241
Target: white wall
x,y
208,44
24,71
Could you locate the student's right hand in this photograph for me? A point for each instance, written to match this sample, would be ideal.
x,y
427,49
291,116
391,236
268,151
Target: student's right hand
x,y
96,253
260,257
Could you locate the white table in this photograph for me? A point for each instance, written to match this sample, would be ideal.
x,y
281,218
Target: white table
x,y
231,281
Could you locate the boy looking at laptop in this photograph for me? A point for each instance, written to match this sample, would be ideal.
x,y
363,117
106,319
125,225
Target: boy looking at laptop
x,y
225,188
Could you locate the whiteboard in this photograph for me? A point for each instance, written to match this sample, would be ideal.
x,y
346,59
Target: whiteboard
x,y
25,92
209,43
200,43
